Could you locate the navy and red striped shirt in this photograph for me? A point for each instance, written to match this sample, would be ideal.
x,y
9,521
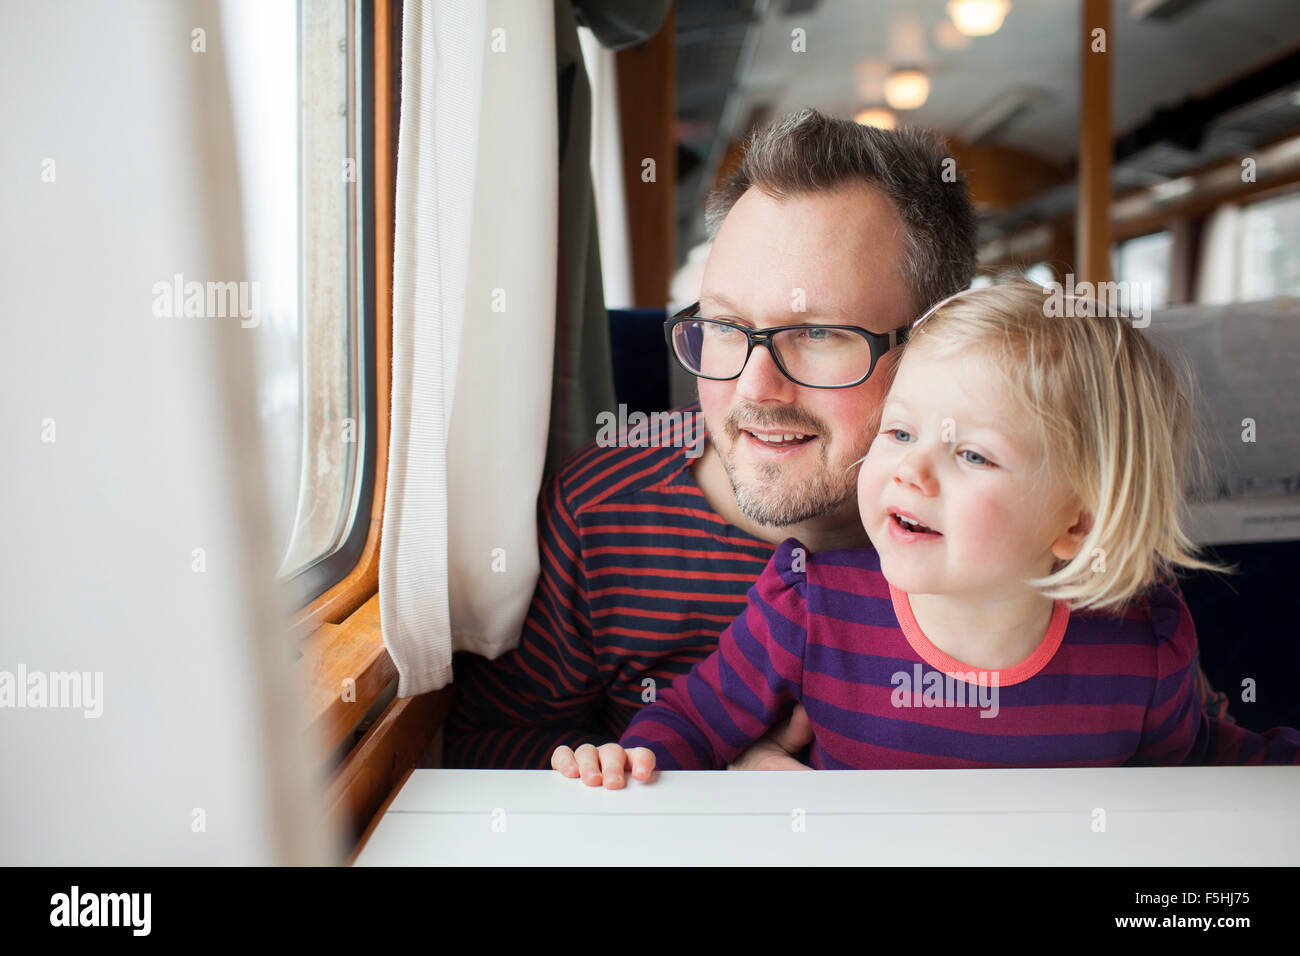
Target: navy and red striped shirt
x,y
828,631
639,576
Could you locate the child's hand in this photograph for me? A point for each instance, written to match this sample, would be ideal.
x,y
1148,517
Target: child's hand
x,y
609,768
773,752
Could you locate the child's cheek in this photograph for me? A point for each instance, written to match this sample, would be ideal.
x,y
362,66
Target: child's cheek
x,y
872,474
991,528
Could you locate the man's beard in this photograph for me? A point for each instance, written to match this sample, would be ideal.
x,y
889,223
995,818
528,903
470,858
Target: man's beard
x,y
774,497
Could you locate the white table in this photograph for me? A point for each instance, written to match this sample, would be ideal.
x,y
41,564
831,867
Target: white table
x,y
1208,816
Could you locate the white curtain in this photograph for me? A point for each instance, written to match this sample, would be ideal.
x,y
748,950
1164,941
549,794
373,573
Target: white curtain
x,y
607,172
474,276
136,560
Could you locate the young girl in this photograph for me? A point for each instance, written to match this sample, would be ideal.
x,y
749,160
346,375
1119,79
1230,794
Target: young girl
x,y
1024,496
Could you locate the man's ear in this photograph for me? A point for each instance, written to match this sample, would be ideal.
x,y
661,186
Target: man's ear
x,y
1067,545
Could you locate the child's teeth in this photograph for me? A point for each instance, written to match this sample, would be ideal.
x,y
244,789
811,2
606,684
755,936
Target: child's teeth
x,y
913,523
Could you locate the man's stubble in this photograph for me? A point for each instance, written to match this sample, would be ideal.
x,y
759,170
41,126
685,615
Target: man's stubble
x,y
774,497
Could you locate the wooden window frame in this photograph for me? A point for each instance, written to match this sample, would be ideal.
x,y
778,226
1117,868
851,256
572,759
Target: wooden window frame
x,y
343,598
343,661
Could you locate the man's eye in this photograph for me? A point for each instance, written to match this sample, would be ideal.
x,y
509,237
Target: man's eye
x,y
820,335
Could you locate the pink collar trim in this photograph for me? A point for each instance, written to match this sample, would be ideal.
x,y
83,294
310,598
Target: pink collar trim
x,y
1003,677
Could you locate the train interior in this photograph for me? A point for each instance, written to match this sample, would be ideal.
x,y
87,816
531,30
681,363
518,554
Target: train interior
x,y
301,308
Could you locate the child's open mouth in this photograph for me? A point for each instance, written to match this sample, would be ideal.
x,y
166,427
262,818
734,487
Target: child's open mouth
x,y
909,527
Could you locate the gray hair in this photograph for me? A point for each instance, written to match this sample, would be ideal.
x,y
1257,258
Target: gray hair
x,y
808,152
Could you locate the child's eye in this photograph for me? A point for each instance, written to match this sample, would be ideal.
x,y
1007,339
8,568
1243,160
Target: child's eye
x,y
899,434
974,457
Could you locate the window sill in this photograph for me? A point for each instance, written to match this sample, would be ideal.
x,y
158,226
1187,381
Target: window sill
x,y
345,667
373,768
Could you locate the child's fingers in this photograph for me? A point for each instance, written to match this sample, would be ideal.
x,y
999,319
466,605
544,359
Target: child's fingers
x,y
588,765
643,762
564,761
613,760
606,765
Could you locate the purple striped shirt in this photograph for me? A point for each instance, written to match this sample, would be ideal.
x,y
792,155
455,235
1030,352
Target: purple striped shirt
x,y
826,630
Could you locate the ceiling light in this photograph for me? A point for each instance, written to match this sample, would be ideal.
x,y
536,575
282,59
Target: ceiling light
x,y
877,116
906,39
978,18
907,89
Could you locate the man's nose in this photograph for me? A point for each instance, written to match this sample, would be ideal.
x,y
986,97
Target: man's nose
x,y
916,471
762,381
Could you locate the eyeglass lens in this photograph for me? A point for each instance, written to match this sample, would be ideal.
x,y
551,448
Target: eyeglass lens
x,y
823,357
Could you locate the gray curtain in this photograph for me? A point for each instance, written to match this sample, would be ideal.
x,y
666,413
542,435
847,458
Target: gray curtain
x,y
583,381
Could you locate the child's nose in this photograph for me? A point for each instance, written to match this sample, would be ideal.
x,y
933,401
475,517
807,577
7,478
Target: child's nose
x,y
916,471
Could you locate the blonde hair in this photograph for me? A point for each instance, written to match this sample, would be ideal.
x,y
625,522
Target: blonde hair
x,y
1114,421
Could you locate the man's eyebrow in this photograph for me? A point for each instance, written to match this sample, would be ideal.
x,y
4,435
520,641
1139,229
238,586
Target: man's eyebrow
x,y
719,299
839,315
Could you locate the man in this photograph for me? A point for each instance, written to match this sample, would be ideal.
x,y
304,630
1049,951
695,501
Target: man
x,y
646,553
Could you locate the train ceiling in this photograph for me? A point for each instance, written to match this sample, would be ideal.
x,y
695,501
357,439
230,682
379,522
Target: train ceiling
x,y
1174,61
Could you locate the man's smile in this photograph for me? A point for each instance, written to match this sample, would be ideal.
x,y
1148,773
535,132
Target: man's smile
x,y
771,434
775,445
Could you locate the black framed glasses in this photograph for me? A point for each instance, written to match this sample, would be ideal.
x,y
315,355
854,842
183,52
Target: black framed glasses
x,y
816,356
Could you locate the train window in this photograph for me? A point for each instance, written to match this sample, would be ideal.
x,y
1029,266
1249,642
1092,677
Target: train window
x,y
1270,248
297,78
1144,263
